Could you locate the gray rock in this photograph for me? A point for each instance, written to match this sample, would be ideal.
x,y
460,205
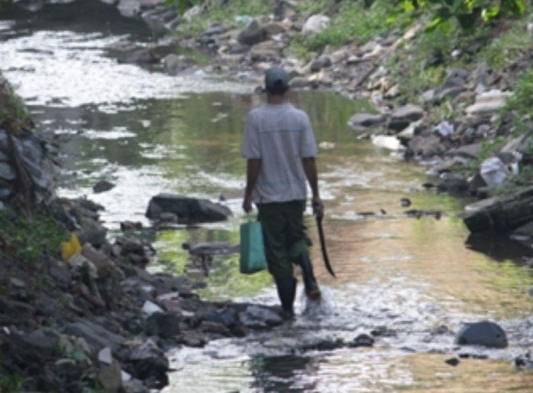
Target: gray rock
x,y
149,362
452,362
188,210
96,336
174,64
42,341
453,183
129,8
315,24
363,340
92,232
488,102
320,63
258,317
364,120
111,377
485,333
103,186
134,386
300,82
164,325
500,214
264,52
5,193
211,248
426,145
471,151
252,34
7,172
407,113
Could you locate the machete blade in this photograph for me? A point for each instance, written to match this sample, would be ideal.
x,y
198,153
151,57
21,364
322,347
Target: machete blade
x,y
323,246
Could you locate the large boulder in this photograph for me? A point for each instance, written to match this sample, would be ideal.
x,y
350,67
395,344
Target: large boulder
x,y
315,24
187,210
252,34
485,333
500,214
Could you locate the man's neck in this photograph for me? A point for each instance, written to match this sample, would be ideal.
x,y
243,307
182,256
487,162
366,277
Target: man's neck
x,y
276,100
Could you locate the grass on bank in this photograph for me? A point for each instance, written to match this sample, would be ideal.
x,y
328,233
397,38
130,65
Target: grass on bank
x,y
29,238
11,383
355,22
227,14
13,112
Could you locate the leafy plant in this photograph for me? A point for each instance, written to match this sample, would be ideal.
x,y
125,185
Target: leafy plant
x,y
469,13
28,239
11,383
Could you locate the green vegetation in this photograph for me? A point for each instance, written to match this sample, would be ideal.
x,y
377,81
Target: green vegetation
x,y
507,46
469,14
13,112
4,3
30,238
227,14
357,22
11,383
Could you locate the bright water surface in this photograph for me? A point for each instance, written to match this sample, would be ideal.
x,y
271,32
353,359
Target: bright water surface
x,y
148,133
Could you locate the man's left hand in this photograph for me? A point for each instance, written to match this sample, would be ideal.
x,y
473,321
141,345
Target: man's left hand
x,y
247,204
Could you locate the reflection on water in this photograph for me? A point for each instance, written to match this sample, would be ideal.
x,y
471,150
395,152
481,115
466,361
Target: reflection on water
x,y
413,278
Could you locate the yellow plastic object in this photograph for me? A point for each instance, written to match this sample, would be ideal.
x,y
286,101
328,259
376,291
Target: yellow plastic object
x,y
71,247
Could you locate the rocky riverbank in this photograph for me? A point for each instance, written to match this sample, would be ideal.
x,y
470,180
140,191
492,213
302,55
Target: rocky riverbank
x,y
78,312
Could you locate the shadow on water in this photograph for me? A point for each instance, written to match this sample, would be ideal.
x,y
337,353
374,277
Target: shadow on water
x,y
499,247
80,16
275,374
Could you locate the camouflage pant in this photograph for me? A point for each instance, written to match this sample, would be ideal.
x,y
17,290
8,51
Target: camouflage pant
x,y
284,234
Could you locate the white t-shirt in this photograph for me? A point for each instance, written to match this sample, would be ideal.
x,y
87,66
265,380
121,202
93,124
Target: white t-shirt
x,y
279,135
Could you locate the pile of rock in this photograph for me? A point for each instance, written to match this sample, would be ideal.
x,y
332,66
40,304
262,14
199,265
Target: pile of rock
x,y
26,168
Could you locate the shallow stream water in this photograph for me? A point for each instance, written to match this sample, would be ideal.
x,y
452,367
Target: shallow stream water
x,y
414,280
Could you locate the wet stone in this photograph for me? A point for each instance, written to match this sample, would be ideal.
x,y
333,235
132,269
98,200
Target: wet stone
x,y
484,333
452,362
363,340
7,172
103,186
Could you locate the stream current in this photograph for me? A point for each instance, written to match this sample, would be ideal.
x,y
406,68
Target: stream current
x,y
413,280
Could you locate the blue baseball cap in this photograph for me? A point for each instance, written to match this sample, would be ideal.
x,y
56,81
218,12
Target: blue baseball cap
x,y
276,80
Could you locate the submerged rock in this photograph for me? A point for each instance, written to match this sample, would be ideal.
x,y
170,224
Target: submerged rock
x,y
103,186
485,333
188,210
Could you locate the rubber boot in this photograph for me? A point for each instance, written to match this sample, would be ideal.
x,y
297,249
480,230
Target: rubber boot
x,y
287,293
311,286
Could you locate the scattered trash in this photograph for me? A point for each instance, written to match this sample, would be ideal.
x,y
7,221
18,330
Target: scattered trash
x,y
494,172
444,129
151,308
70,248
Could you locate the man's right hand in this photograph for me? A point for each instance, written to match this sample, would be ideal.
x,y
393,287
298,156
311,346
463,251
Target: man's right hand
x,y
318,208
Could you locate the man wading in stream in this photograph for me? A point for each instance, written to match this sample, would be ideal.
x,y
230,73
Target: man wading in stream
x,y
280,149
